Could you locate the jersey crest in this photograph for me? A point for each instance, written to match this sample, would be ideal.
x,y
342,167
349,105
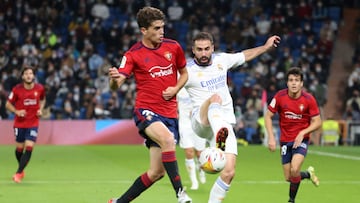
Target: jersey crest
x,y
301,107
168,55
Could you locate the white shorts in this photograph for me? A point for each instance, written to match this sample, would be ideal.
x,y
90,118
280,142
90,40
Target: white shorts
x,y
205,131
188,138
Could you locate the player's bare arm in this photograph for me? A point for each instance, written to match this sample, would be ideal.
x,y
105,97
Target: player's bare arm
x,y
42,106
252,53
314,125
170,92
115,78
11,108
269,129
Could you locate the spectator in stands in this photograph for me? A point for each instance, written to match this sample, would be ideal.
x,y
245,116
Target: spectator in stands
x,y
263,25
3,98
354,102
254,102
251,117
175,11
320,12
76,29
70,107
100,10
304,10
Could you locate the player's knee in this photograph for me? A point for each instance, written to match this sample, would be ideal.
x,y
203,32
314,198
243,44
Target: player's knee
x,y
167,142
294,172
156,175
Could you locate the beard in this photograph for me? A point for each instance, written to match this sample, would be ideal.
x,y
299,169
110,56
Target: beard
x,y
203,61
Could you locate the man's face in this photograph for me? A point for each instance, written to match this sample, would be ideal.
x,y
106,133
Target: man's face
x,y
294,83
202,49
155,33
28,76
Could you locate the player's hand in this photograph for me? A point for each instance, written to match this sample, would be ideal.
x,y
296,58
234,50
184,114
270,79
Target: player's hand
x,y
113,73
39,113
272,143
169,93
20,113
298,140
273,41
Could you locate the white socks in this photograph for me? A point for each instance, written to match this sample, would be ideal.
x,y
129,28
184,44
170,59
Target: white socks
x,y
191,169
218,191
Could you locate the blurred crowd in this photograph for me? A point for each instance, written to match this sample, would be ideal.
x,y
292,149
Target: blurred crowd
x,y
352,93
73,43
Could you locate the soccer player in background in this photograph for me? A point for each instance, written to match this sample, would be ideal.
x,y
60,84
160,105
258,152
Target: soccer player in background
x,y
213,114
299,116
26,101
155,63
189,141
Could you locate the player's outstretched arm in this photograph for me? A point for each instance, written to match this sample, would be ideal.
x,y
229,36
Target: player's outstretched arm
x,y
252,53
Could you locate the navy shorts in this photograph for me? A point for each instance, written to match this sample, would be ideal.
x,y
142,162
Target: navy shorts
x,y
22,134
144,117
287,151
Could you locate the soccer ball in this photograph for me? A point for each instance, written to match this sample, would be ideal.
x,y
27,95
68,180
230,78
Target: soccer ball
x,y
212,160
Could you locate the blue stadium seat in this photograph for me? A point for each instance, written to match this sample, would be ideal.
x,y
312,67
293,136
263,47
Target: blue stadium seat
x,y
105,97
316,26
335,13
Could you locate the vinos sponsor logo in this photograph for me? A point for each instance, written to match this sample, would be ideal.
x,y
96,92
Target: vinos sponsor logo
x,y
158,71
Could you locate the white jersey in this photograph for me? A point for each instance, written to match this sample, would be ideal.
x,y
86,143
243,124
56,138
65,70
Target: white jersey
x,y
204,81
188,138
184,103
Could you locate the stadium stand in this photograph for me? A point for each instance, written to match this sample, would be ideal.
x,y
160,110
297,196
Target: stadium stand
x,y
71,43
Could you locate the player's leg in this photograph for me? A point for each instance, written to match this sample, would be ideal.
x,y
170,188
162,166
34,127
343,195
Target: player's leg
x,y
222,183
295,177
187,143
19,134
25,138
144,181
286,157
190,165
199,146
25,158
19,151
211,114
161,134
30,140
202,175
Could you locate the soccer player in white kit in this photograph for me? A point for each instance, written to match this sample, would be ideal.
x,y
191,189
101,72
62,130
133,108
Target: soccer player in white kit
x,y
189,141
213,114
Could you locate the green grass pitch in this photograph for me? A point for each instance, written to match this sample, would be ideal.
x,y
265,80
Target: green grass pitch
x,y
93,174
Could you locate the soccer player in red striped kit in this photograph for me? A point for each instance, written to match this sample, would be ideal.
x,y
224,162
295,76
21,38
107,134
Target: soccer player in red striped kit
x,y
155,62
26,101
299,116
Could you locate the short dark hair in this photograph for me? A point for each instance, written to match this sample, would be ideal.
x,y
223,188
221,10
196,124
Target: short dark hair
x,y
25,68
203,36
147,15
295,71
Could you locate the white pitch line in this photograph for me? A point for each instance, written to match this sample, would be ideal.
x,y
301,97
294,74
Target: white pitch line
x,y
341,156
248,182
